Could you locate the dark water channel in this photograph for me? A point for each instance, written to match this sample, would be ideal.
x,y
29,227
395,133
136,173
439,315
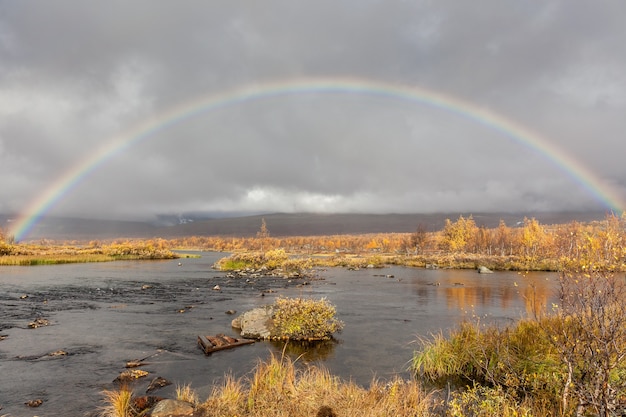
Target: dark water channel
x,y
103,315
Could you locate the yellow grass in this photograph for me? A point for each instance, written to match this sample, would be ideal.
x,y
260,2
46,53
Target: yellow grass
x,y
279,388
118,403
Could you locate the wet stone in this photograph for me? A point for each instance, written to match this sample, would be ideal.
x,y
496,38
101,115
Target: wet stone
x,y
34,403
172,408
38,322
156,383
130,375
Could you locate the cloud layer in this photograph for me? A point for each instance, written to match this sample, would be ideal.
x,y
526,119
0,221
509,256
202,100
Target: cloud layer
x,y
75,76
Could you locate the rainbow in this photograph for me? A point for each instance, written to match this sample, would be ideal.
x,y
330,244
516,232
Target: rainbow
x,y
63,185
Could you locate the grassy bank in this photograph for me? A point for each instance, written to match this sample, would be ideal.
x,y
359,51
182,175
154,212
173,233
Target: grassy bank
x,y
47,254
279,387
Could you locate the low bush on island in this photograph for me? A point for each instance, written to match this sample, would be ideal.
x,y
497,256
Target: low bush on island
x,y
299,319
276,260
305,319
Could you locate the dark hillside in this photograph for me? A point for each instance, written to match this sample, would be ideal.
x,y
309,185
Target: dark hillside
x,y
280,224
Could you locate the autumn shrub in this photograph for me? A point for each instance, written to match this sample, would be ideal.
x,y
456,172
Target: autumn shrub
x,y
240,261
135,250
484,401
5,248
274,258
305,319
271,260
299,265
520,359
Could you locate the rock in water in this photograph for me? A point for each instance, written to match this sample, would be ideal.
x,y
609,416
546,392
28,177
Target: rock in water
x,y
156,383
256,323
130,375
34,403
484,270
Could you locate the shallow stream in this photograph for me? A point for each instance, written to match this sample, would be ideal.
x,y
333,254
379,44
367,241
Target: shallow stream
x,y
101,315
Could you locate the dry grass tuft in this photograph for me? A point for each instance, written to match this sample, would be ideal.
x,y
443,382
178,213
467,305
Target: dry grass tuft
x,y
185,393
119,403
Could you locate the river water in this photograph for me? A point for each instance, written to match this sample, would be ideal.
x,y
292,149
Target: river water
x,y
102,315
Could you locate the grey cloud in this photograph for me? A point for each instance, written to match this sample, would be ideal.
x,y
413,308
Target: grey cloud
x,y
74,76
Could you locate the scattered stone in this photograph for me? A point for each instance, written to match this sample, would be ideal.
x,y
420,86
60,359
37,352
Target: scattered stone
x,y
145,402
23,297
58,353
156,383
231,312
172,408
34,403
484,270
38,322
146,287
135,364
217,288
127,376
3,336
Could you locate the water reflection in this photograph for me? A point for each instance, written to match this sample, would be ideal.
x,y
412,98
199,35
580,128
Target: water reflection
x,y
316,351
471,292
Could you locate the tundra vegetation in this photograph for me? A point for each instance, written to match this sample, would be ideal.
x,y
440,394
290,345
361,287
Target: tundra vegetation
x,y
566,359
47,252
305,319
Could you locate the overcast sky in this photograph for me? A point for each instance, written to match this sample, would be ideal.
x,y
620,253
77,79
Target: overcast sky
x,y
75,75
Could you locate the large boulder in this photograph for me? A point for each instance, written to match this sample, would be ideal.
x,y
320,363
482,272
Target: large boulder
x,y
257,323
172,408
484,270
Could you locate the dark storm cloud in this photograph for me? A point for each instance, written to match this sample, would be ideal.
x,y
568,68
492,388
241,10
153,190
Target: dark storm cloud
x,y
74,75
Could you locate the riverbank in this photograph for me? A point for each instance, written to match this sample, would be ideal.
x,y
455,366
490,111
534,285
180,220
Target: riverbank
x,y
52,254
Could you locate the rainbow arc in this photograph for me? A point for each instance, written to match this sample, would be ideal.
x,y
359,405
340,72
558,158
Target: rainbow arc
x,y
182,112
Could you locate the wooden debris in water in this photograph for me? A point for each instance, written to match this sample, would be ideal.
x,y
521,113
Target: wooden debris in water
x,y
210,344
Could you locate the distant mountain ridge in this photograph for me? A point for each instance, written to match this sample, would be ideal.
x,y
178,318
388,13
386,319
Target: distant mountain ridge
x,y
280,224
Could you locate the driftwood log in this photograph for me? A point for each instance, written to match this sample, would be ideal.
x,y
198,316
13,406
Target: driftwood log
x,y
210,344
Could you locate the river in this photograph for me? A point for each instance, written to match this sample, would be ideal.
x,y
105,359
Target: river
x,y
102,315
